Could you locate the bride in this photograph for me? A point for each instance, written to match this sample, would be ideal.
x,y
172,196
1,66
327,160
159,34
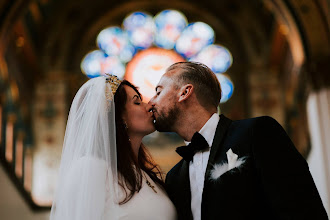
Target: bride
x,y
105,171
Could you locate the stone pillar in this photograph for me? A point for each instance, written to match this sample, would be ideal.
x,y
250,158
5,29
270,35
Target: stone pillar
x,y
318,110
265,94
49,120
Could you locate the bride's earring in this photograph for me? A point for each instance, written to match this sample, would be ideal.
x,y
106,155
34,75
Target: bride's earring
x,y
126,128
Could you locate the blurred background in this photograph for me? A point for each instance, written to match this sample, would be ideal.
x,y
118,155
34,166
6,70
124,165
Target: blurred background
x,y
272,57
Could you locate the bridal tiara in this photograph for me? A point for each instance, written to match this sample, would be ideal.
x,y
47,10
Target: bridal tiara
x,y
114,81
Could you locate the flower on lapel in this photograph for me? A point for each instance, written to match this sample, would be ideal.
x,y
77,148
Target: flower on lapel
x,y
232,158
233,161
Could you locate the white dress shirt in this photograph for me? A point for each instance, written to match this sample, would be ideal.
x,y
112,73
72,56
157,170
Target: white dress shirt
x,y
197,166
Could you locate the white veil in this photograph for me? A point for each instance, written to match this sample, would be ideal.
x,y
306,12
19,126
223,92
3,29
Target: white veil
x,y
87,186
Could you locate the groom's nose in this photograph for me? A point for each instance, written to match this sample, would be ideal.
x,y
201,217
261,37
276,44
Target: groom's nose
x,y
148,107
151,101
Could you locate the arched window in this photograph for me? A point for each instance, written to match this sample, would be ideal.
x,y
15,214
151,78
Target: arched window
x,y
145,46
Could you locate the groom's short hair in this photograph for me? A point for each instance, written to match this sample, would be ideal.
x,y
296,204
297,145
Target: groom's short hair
x,y
205,82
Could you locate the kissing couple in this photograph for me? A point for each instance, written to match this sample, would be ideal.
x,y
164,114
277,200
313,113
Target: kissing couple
x,y
246,169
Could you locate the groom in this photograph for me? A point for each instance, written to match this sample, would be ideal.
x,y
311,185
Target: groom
x,y
247,169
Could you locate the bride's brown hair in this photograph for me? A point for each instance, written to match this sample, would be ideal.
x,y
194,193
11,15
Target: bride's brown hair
x,y
130,176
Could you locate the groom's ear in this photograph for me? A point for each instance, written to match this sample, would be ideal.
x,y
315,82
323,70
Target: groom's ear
x,y
185,92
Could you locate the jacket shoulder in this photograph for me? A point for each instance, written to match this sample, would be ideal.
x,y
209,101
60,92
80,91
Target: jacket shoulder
x,y
176,168
266,120
174,172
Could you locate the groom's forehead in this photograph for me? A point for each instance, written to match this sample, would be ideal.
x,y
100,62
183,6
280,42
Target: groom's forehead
x,y
165,81
169,77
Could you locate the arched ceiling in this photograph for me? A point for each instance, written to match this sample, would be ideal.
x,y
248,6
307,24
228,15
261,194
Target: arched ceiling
x,y
63,31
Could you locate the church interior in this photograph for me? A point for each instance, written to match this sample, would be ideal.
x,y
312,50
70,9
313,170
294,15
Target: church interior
x,y
272,57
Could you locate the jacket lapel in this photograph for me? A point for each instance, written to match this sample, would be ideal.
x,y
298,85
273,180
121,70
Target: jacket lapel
x,y
220,133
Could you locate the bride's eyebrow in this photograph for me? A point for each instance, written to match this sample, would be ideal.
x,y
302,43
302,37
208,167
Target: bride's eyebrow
x,y
136,96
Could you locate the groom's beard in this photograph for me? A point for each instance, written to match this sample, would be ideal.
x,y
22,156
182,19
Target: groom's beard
x,y
165,123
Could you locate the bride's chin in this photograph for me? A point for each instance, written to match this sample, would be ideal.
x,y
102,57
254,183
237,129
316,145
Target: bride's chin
x,y
149,132
152,129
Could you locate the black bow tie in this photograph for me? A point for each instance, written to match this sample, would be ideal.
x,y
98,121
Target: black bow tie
x,y
198,143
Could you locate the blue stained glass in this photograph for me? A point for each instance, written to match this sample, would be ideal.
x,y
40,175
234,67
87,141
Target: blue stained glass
x,y
127,53
140,28
113,65
216,57
194,38
168,30
227,87
91,64
136,20
169,25
114,41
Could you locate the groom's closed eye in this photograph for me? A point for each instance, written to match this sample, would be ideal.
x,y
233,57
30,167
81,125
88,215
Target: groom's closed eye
x,y
158,92
157,89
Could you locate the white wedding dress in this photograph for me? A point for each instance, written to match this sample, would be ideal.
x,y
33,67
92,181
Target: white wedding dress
x,y
146,204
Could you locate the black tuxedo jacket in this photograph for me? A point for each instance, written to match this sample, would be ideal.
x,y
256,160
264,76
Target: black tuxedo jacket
x,y
273,183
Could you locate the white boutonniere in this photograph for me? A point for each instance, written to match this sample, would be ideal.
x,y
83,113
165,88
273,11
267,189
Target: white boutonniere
x,y
233,161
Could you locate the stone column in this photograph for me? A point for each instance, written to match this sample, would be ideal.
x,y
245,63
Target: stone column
x,y
49,120
318,111
265,94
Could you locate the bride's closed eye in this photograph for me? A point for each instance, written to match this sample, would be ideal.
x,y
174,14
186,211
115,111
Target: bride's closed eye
x,y
137,100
